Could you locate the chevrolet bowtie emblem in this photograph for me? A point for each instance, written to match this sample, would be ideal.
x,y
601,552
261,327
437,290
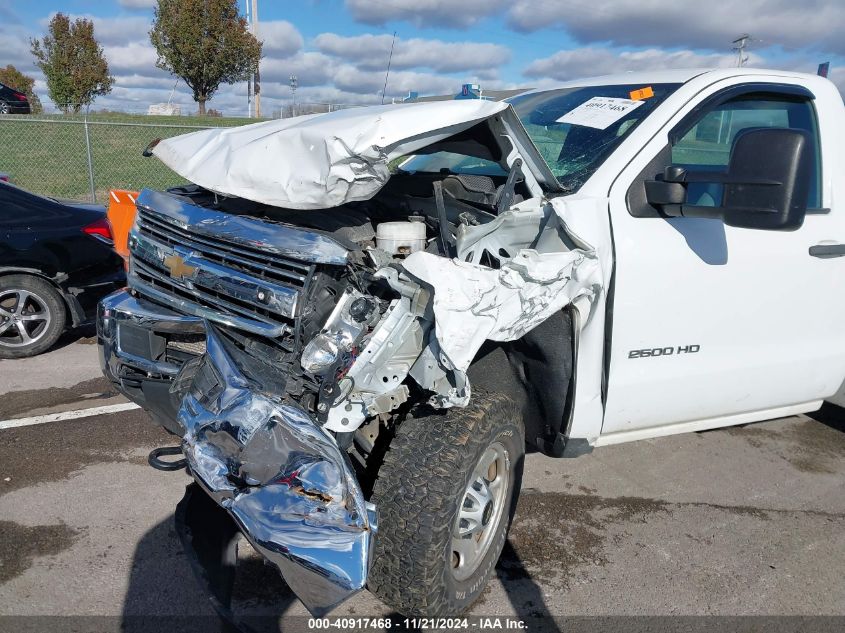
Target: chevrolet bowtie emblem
x,y
178,268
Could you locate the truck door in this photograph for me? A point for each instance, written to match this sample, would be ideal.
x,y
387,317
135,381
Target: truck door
x,y
711,324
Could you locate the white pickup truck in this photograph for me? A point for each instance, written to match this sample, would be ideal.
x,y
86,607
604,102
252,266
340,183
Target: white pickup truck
x,y
357,321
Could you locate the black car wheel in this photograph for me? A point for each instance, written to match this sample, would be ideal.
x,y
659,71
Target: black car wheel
x,y
446,495
32,316
4,108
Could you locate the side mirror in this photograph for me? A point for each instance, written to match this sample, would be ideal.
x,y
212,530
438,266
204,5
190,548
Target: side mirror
x,y
766,184
779,155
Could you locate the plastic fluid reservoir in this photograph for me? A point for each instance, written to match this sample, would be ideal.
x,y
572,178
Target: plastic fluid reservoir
x,y
401,238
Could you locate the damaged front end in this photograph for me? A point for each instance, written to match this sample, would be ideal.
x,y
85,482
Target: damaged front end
x,y
285,345
209,339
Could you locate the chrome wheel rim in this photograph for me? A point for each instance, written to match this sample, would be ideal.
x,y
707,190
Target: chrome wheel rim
x,y
480,512
24,318
4,108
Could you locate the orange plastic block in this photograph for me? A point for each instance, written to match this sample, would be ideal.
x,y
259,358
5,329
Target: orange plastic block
x,y
121,215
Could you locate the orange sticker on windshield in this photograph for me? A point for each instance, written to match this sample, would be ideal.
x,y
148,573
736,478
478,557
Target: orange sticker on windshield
x,y
642,93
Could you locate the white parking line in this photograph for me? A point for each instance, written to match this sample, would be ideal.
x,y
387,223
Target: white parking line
x,y
68,415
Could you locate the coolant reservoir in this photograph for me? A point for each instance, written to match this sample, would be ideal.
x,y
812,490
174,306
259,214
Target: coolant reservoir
x,y
401,238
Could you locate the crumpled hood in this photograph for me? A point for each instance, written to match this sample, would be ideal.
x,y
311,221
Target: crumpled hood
x,y
316,161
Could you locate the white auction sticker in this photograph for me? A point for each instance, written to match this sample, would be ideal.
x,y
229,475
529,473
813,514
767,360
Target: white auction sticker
x,y
600,112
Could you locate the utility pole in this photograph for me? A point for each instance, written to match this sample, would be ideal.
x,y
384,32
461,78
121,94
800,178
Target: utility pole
x,y
294,82
740,44
256,82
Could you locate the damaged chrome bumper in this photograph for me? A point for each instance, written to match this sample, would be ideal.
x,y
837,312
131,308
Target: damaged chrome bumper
x,y
281,477
136,341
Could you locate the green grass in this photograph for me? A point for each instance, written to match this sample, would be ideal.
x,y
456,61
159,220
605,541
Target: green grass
x,y
123,117
47,153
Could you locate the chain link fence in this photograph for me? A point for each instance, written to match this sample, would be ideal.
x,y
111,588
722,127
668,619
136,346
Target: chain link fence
x,y
82,157
310,107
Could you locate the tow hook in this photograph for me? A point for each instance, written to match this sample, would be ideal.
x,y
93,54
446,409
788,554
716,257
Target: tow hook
x,y
162,464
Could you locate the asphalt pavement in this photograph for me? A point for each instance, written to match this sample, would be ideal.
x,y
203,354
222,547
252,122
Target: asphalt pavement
x,y
741,521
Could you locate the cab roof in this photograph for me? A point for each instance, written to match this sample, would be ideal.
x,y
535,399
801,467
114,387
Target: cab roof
x,y
675,76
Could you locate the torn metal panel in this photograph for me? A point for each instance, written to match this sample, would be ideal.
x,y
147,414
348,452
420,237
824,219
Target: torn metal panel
x,y
502,238
379,371
474,303
435,372
318,161
281,477
510,275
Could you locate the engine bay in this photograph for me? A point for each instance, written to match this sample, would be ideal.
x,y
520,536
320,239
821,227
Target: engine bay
x,y
467,199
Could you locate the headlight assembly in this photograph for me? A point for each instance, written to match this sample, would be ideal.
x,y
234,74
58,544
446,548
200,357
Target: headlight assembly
x,y
320,354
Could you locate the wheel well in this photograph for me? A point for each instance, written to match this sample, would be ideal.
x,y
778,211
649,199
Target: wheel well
x,y
537,372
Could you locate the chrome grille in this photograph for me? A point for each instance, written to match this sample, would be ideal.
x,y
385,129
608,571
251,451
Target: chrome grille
x,y
229,283
251,261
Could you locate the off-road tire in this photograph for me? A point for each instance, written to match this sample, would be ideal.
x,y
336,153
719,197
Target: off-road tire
x,y
419,489
47,295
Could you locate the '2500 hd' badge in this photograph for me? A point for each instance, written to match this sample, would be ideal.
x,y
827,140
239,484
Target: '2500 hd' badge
x,y
663,351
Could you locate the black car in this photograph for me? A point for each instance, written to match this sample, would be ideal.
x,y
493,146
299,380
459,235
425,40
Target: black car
x,y
56,262
13,101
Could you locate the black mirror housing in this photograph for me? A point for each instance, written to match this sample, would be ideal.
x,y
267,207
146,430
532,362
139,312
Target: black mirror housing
x,y
766,184
662,193
769,154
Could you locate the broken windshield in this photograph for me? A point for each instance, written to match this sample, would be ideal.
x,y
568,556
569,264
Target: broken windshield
x,y
576,129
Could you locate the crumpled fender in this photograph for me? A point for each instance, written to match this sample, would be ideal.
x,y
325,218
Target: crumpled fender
x,y
473,303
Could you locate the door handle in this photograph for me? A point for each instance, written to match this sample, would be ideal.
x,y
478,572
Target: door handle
x,y
826,251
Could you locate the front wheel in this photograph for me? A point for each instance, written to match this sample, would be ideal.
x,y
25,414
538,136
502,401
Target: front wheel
x,y
446,495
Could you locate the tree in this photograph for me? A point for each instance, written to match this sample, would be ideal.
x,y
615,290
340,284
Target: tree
x,y
205,42
12,77
73,63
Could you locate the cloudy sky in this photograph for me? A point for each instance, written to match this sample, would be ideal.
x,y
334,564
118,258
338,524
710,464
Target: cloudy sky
x,y
338,49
